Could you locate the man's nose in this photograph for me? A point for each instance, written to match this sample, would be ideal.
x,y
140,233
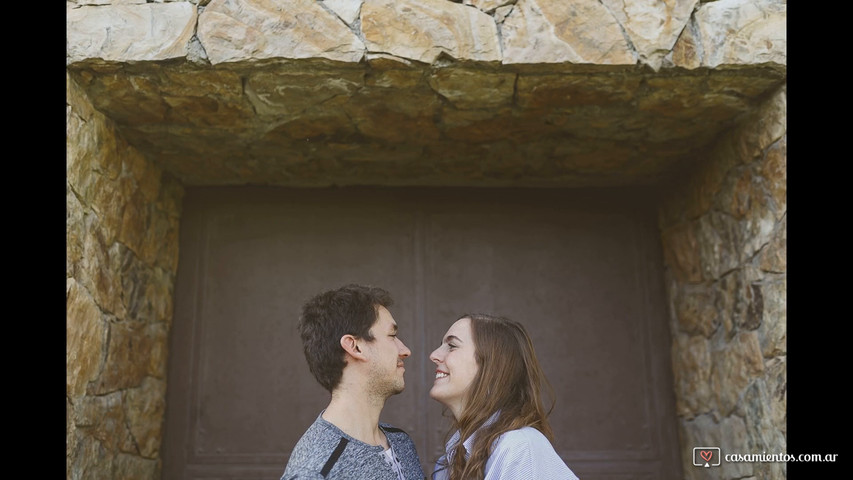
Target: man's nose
x,y
404,351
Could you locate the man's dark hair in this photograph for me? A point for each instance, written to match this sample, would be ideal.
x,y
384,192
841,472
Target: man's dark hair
x,y
326,317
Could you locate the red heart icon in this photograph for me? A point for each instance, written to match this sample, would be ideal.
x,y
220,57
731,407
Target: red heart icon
x,y
706,455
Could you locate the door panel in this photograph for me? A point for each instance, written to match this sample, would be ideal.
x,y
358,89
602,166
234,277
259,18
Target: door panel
x,y
576,280
580,269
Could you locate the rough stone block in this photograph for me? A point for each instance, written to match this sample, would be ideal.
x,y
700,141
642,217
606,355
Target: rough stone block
x,y
489,6
472,89
691,362
564,31
141,406
735,366
128,357
571,90
85,336
773,332
720,245
774,255
102,417
149,31
91,460
239,30
425,29
133,467
348,10
653,27
733,439
698,432
96,273
774,168
682,252
290,94
696,309
734,32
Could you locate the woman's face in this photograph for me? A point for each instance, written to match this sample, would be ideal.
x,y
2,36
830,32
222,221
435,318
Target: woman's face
x,y
456,367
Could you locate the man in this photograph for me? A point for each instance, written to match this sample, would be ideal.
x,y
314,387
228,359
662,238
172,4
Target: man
x,y
351,344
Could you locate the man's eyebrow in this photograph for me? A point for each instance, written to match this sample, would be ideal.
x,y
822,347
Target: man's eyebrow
x,y
450,338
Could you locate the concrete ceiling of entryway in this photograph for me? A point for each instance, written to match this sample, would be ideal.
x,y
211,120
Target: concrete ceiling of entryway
x,y
382,122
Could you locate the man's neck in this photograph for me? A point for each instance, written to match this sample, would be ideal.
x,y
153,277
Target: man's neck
x,y
357,415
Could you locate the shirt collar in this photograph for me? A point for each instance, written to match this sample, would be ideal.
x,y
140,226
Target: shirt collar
x,y
469,442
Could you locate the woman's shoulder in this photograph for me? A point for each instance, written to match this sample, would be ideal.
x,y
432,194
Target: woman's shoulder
x,y
524,452
523,437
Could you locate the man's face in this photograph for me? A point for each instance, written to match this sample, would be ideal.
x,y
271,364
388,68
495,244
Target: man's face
x,y
386,354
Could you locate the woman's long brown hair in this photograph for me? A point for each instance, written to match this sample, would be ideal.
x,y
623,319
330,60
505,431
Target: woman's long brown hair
x,y
510,381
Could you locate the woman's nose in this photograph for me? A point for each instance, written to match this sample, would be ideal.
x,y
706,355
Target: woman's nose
x,y
434,356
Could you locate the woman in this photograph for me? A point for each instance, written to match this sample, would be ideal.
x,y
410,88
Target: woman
x,y
488,377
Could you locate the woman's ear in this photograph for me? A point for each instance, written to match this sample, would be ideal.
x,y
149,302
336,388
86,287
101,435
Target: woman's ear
x,y
350,345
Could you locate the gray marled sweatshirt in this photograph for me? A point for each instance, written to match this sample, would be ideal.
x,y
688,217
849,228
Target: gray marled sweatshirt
x,y
326,452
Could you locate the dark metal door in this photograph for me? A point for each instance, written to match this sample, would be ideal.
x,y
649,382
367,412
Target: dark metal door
x,y
581,269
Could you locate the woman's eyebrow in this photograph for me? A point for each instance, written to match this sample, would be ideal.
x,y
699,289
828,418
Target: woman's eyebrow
x,y
450,338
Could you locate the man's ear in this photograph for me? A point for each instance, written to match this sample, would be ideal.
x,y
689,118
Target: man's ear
x,y
350,345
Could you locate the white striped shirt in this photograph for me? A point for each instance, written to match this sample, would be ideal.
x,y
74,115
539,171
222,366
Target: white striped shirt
x,y
523,454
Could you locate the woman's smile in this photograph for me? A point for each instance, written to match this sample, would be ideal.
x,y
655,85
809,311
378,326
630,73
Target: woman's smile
x,y
456,366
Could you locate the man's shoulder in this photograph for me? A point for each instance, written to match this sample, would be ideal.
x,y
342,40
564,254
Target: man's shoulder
x,y
311,451
317,434
388,428
299,473
404,448
395,434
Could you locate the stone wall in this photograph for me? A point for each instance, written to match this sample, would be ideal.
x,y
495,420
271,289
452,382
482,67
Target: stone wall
x,y
122,255
680,33
534,93
187,81
724,238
